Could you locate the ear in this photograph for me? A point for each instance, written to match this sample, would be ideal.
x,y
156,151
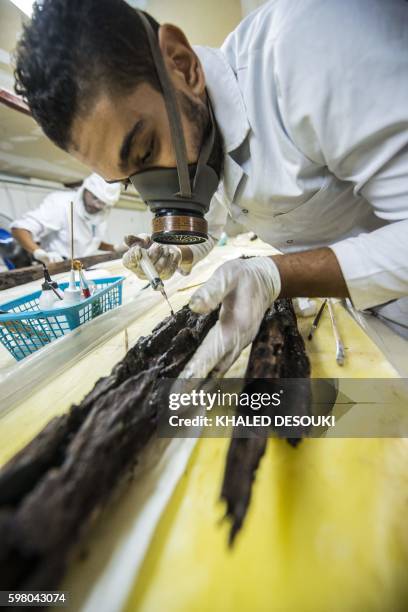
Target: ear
x,y
180,58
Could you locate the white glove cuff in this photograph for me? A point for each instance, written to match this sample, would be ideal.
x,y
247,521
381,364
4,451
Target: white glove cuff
x,y
270,273
41,255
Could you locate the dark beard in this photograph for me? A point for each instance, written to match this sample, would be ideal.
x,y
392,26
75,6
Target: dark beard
x,y
199,117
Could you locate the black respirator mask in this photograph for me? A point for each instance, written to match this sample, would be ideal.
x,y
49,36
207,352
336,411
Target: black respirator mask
x,y
178,197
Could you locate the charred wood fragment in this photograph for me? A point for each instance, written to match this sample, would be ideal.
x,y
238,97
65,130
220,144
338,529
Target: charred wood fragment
x,y
278,352
243,458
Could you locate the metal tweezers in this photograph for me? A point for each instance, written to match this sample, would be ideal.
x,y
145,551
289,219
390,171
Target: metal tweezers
x,y
340,353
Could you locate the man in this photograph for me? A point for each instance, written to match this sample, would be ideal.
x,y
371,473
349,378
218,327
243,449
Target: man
x,y
312,150
45,231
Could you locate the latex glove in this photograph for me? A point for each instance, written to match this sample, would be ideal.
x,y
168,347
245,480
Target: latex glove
x,y
245,288
165,257
47,257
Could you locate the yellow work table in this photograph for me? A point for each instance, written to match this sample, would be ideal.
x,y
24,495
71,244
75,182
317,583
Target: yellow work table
x,y
326,528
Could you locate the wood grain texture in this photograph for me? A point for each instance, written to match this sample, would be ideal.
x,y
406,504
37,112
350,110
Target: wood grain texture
x,y
51,490
278,352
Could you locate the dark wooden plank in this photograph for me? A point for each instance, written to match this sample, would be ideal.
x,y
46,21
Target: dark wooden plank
x,y
13,101
277,352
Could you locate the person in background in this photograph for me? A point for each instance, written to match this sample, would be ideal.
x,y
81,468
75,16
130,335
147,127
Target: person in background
x,y
45,231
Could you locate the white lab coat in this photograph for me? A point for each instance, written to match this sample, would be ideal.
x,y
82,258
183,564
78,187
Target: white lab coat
x,y
312,100
49,224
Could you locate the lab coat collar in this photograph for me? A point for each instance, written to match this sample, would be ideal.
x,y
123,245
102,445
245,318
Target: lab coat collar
x,y
230,114
226,97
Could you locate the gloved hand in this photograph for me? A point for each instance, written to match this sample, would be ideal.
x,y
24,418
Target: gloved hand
x,y
47,257
245,288
165,257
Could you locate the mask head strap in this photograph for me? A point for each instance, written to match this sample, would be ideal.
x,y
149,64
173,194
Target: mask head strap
x,y
172,108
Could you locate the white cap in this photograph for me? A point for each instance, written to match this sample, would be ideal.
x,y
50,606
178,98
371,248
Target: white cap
x,y
106,192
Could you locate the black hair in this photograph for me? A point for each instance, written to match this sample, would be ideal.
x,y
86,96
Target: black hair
x,y
73,49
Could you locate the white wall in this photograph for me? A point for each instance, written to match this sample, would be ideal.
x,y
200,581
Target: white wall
x,y
248,6
16,199
204,23
123,222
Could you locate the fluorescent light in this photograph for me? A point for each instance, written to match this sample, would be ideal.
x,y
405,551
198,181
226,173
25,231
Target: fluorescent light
x,y
26,6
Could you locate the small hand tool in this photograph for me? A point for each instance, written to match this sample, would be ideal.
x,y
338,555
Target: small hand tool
x,y
152,276
316,320
72,295
340,354
53,284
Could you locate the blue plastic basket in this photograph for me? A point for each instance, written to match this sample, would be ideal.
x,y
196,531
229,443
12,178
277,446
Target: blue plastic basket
x,y
25,328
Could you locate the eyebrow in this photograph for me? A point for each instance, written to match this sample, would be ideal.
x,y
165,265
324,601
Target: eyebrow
x,y
127,144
